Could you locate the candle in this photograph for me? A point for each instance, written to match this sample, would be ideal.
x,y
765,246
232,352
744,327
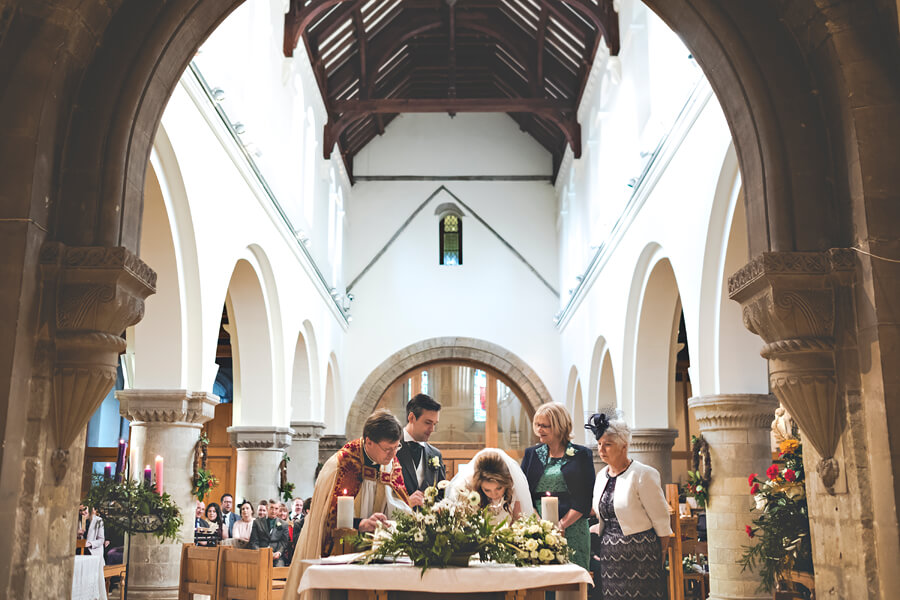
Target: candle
x,y
107,471
148,475
159,474
345,511
120,460
550,508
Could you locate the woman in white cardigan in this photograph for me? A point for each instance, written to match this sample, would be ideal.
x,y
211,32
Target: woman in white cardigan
x,y
634,524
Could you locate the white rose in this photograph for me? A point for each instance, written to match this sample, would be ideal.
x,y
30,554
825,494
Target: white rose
x,y
474,498
442,484
547,526
545,555
760,502
521,554
561,558
533,529
531,545
550,539
417,536
534,554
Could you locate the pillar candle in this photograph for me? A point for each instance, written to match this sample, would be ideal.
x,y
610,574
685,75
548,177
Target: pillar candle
x,y
159,474
107,471
345,511
550,509
148,475
120,460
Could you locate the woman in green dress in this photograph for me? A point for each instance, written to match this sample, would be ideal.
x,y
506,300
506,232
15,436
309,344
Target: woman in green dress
x,y
560,468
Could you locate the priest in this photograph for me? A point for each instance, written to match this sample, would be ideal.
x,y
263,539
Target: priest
x,y
366,468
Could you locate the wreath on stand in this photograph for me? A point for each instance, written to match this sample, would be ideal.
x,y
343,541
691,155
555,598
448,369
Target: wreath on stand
x,y
700,476
203,479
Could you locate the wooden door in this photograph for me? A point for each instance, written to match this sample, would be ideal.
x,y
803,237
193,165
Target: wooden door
x,y
221,455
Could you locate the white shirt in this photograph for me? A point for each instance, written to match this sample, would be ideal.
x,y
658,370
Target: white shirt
x,y
367,497
420,468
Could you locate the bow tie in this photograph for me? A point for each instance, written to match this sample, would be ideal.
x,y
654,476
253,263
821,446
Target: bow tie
x,y
415,450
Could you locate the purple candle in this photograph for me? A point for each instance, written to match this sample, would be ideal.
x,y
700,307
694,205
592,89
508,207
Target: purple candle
x,y
120,460
107,471
148,475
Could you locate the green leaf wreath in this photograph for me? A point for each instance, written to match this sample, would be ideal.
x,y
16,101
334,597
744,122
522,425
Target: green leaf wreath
x,y
132,506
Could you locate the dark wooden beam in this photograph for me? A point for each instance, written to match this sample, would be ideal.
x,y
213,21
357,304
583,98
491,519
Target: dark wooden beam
x,y
407,105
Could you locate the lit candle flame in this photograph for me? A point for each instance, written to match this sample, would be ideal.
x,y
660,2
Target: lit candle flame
x,y
345,491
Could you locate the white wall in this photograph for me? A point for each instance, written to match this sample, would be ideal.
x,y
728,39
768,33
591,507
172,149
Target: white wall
x,y
406,296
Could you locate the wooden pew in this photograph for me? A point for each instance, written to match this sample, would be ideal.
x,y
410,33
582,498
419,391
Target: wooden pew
x,y
110,571
80,546
249,575
199,572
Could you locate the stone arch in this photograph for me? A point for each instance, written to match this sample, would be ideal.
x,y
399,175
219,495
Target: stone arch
x,y
518,372
651,329
575,404
315,375
158,343
607,398
301,381
727,353
252,346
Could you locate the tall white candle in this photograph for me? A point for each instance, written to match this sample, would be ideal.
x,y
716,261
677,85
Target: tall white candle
x,y
550,509
345,511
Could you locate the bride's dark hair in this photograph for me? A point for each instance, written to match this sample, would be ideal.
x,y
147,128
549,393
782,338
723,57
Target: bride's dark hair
x,y
491,467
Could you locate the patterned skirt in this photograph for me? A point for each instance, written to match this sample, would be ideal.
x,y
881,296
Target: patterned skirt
x,y
631,565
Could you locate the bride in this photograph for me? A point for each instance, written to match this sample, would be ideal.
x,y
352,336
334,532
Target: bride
x,y
499,481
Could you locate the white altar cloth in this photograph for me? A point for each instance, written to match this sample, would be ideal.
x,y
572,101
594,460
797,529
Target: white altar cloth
x,y
87,579
478,577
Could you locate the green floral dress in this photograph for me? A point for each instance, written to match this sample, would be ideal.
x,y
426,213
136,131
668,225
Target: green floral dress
x,y
577,534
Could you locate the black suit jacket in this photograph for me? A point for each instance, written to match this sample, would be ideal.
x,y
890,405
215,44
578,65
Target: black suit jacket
x,y
432,474
578,472
275,538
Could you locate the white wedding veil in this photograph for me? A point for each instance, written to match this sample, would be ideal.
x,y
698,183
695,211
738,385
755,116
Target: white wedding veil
x,y
520,491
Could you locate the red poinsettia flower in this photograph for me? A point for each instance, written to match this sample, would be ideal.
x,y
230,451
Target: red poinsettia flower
x,y
755,488
790,475
752,478
772,472
749,531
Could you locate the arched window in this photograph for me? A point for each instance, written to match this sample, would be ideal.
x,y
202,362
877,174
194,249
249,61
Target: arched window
x,y
450,236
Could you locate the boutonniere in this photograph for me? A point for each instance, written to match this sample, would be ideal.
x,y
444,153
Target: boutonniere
x,y
570,451
278,523
435,462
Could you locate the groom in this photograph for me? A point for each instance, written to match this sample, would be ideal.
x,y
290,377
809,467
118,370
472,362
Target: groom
x,y
421,462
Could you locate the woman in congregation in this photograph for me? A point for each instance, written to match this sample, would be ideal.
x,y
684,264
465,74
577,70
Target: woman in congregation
x,y
634,523
241,529
500,483
560,468
214,518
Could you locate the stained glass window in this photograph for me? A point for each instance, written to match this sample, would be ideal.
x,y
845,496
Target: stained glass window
x,y
479,395
451,240
424,382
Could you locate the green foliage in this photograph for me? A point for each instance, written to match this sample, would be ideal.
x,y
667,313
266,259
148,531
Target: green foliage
x,y
286,490
536,542
438,533
782,529
134,507
204,482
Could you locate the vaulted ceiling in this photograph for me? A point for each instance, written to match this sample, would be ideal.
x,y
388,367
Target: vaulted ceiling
x,y
374,59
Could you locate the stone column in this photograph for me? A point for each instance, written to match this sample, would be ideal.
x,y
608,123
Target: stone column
x,y
329,444
165,423
654,447
259,451
736,427
304,453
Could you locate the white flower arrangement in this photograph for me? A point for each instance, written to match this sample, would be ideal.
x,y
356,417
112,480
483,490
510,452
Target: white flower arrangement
x,y
570,451
537,542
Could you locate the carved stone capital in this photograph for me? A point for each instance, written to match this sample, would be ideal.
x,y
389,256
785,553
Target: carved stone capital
x,y
329,444
652,440
307,430
733,411
181,407
249,437
90,296
789,299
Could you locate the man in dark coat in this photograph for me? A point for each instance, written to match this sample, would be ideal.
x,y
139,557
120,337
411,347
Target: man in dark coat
x,y
421,462
269,532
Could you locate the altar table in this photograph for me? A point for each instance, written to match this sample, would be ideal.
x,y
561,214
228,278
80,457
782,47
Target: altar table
x,y
87,579
477,581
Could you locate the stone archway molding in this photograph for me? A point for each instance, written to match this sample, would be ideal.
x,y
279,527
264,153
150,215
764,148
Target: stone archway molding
x,y
441,349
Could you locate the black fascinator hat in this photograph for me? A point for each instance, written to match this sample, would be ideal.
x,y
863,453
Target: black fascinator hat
x,y
598,424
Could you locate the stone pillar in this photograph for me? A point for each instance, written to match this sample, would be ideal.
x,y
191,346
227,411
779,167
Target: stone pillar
x,y
329,444
304,453
654,447
259,451
736,427
165,423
